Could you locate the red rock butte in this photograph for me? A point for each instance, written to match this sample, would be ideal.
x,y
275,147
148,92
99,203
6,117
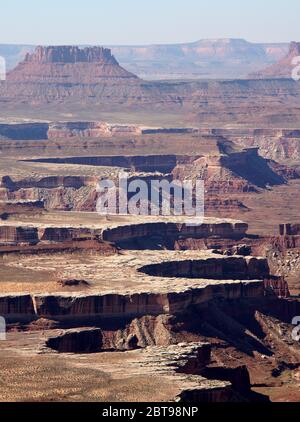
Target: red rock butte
x,y
68,64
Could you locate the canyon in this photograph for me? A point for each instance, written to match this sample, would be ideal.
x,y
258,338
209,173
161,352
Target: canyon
x,y
230,161
148,315
61,80
108,306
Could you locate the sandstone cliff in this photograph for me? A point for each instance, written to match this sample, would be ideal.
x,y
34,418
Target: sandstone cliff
x,y
66,64
236,57
281,145
284,67
92,307
92,77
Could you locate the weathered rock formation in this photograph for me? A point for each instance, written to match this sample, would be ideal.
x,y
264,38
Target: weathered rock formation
x,y
71,76
220,269
276,144
50,182
277,286
92,308
230,171
66,73
281,145
166,298
13,208
116,233
189,60
215,205
18,235
178,367
284,67
147,163
235,230
77,341
289,230
90,130
66,64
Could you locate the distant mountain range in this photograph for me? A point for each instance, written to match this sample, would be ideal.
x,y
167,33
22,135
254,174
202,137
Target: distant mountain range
x,y
218,59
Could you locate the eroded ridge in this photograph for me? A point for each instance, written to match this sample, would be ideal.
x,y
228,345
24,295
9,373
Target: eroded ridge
x,y
204,321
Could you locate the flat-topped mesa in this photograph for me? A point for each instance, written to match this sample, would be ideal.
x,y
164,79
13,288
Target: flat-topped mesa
x,y
68,65
76,82
284,67
228,229
71,54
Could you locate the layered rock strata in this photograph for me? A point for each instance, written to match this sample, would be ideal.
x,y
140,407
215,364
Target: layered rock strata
x,y
64,65
9,208
70,76
177,367
284,67
170,293
120,231
64,308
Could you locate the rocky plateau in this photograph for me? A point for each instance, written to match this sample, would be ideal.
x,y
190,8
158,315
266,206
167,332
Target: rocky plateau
x,y
108,307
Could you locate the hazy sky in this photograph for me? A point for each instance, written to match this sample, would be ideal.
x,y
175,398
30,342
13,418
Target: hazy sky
x,y
147,21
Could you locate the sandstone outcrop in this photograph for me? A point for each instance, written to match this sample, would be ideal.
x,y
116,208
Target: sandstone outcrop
x,y
168,230
67,130
98,81
67,64
167,287
65,234
189,60
147,163
238,376
198,59
289,230
177,367
44,183
74,283
82,340
284,67
61,73
9,208
222,269
64,176
231,171
276,144
166,297
82,308
277,286
17,306
117,232
10,235
215,205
